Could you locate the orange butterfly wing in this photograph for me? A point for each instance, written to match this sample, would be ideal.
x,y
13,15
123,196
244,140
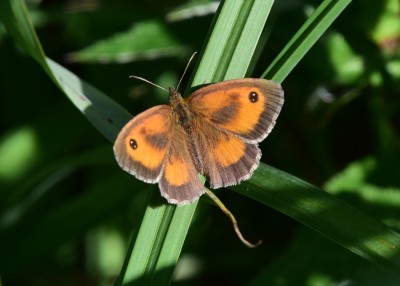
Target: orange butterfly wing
x,y
236,114
142,144
180,183
247,107
225,158
155,149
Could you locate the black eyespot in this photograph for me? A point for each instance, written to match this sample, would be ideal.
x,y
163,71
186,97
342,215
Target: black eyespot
x,y
133,143
253,96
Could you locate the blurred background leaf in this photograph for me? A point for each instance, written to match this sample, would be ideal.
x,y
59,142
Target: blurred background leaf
x,y
339,129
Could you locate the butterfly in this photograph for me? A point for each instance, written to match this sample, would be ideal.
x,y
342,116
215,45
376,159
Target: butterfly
x,y
215,131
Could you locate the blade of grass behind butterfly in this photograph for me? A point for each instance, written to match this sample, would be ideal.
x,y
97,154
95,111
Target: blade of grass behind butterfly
x,y
104,113
315,208
233,40
304,39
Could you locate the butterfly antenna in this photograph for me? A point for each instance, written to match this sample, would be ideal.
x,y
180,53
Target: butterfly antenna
x,y
145,80
184,72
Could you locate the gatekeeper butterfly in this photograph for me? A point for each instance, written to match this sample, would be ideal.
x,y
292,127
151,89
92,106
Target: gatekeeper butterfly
x,y
215,132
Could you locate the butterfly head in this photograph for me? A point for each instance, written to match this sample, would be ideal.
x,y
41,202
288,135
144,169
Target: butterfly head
x,y
174,96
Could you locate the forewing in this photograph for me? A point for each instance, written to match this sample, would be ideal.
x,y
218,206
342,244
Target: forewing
x,y
142,144
247,108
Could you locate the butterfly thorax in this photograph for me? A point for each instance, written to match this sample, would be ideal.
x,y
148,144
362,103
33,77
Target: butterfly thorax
x,y
180,108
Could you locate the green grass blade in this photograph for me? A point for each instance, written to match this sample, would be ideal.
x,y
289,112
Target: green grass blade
x,y
308,204
327,215
305,38
13,14
155,250
234,37
104,113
